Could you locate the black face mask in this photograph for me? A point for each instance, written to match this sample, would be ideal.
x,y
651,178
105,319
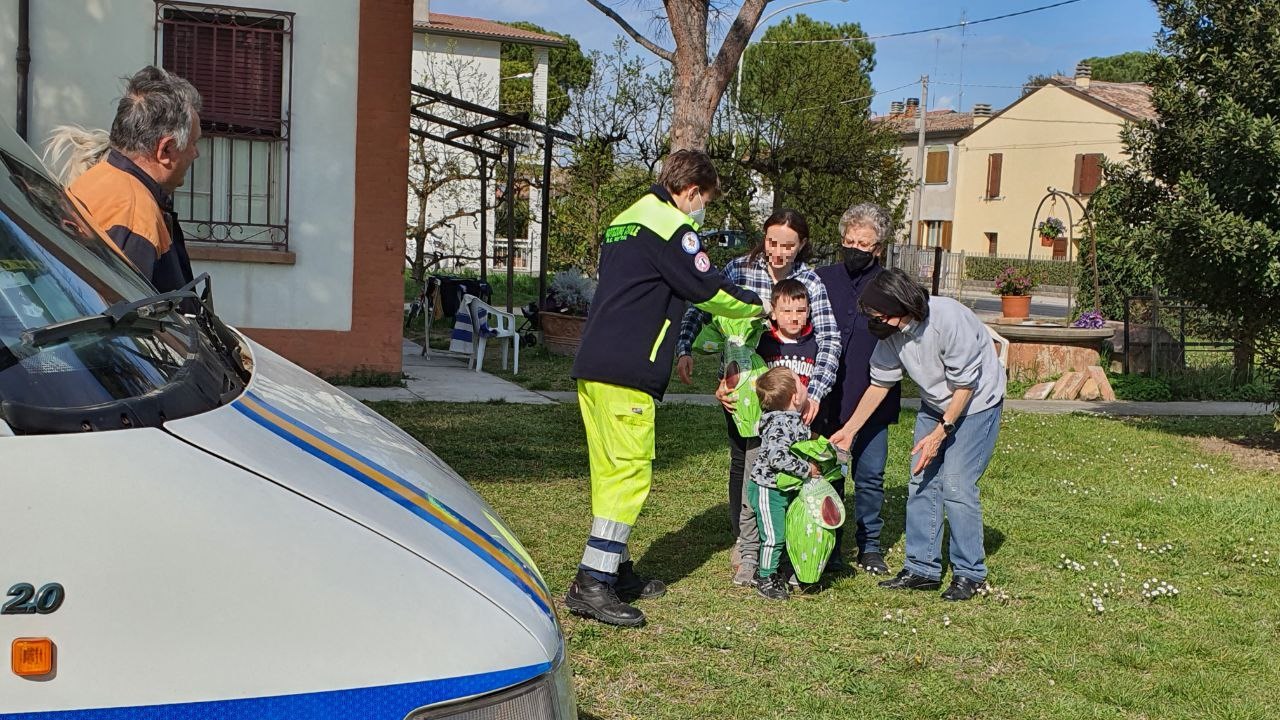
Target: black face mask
x,y
880,328
856,260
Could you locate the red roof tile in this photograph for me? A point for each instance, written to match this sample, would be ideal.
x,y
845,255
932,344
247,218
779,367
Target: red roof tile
x,y
1129,99
459,25
936,121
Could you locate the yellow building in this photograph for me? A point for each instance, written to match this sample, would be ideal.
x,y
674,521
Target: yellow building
x,y
1052,137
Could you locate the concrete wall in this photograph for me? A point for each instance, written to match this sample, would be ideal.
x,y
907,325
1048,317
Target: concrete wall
x,y
81,48
1039,138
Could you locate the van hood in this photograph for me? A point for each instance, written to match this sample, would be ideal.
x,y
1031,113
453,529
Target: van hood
x,y
298,431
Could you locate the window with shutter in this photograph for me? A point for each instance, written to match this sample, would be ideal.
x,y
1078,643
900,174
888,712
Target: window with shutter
x,y
994,163
937,163
240,61
1088,175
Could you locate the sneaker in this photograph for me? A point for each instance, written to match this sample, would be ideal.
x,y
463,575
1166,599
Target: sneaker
x,y
772,587
906,580
745,576
631,587
873,563
963,588
598,600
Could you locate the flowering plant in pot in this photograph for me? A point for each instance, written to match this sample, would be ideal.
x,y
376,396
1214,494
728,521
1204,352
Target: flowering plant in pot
x,y
1050,229
1091,320
564,312
1014,286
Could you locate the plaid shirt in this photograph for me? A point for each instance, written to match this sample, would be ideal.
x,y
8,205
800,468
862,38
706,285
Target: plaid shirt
x,y
754,276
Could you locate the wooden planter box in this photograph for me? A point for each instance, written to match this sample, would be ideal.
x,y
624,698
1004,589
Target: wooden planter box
x,y
561,333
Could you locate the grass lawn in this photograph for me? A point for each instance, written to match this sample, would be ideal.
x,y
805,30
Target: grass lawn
x,y
1075,506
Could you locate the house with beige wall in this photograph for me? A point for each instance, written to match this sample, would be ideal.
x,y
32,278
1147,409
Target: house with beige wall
x,y
1055,136
943,128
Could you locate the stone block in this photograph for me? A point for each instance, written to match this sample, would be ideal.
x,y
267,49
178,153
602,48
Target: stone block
x,y
1039,392
1068,387
1089,391
1099,376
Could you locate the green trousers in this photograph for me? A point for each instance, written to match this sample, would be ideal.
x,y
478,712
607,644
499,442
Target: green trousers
x,y
770,506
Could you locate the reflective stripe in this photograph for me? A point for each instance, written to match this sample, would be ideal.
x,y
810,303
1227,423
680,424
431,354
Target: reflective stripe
x,y
601,560
666,325
610,530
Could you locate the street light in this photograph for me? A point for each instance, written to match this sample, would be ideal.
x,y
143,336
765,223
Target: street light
x,y
526,75
759,24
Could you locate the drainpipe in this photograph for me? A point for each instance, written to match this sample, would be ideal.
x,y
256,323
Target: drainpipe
x,y
24,64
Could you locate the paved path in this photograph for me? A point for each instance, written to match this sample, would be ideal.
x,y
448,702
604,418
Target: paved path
x,y
443,377
1043,407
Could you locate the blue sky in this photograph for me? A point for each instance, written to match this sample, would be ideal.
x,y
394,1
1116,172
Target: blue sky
x,y
1000,53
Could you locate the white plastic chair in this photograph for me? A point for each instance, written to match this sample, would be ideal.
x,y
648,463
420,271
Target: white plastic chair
x,y
502,326
1003,342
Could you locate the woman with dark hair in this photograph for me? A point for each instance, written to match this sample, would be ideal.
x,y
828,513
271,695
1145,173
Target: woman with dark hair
x,y
781,254
949,353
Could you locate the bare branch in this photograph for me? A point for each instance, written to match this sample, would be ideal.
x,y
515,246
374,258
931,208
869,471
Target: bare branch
x,y
645,42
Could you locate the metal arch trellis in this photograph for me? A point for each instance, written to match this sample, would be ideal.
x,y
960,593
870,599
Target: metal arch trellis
x,y
1051,196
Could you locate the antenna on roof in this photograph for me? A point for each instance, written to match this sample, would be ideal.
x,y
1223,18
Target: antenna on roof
x,y
964,25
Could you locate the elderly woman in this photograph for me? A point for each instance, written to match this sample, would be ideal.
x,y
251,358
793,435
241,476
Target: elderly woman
x,y
948,352
782,254
864,228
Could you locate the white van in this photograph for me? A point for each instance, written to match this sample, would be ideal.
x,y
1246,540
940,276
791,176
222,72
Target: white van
x,y
193,527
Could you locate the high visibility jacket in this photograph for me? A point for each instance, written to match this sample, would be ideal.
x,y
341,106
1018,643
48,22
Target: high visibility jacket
x,y
651,264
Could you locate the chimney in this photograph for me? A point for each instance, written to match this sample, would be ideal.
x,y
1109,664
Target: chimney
x,y
421,12
895,108
913,104
981,113
1084,75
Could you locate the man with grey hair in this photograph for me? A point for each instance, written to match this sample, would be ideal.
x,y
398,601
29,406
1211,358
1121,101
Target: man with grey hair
x,y
129,192
864,230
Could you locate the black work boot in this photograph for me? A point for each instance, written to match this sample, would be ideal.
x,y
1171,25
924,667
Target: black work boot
x,y
598,600
631,587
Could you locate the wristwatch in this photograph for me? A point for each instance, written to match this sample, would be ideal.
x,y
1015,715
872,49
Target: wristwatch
x,y
948,428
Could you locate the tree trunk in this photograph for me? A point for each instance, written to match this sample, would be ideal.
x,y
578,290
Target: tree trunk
x,y
1242,358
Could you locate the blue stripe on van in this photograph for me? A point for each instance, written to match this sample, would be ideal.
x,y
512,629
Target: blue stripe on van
x,y
387,702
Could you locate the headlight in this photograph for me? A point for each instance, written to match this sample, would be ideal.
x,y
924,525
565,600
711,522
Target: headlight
x,y
547,697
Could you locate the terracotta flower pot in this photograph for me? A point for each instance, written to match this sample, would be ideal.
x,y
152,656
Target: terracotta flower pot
x,y
1047,241
561,333
1015,306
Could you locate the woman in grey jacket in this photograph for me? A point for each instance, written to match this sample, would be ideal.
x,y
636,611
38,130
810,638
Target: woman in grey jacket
x,y
949,353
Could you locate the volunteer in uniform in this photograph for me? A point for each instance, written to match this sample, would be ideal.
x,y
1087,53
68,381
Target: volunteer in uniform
x,y
651,264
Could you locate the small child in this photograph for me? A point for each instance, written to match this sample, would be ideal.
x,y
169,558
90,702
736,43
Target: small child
x,y
782,396
788,341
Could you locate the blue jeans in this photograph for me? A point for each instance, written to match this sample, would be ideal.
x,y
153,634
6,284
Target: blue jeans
x,y
871,448
950,485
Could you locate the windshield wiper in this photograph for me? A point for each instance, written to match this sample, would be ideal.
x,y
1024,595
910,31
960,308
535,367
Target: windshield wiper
x,y
148,314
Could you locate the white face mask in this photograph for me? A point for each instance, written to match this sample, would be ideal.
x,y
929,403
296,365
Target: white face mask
x,y
699,215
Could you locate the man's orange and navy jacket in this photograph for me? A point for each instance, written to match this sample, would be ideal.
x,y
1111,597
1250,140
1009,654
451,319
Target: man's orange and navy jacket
x,y
137,214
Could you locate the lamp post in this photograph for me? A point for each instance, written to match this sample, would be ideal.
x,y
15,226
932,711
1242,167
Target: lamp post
x,y
759,24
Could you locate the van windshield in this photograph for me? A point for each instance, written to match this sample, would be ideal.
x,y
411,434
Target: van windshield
x,y
54,267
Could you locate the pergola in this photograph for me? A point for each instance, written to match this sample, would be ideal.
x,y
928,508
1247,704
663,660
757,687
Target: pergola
x,y
425,100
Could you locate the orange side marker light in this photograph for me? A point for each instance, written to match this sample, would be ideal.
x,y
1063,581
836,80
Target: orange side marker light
x,y
32,656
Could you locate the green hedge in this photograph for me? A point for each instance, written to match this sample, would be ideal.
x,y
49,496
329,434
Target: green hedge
x,y
1048,272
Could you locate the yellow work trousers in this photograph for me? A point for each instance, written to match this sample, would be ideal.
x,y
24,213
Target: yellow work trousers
x,y
619,425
